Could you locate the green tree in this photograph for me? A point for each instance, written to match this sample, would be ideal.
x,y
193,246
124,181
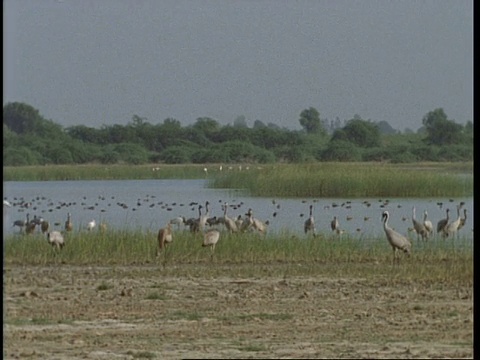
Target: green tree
x,y
206,125
25,119
85,134
21,117
385,128
359,132
310,121
441,131
240,121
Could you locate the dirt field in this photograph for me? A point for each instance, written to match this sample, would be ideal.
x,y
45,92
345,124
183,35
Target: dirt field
x,y
148,312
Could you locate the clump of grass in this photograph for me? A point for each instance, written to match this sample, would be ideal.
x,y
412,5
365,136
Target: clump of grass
x,y
155,296
141,354
104,286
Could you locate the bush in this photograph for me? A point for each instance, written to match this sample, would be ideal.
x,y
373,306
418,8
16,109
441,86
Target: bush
x,y
340,150
132,153
176,155
455,153
109,156
405,157
20,157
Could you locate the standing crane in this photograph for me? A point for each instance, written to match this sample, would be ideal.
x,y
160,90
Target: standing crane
x,y
396,240
309,225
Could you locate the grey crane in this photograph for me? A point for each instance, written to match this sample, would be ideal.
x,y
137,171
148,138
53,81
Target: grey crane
x,y
68,223
229,222
179,220
463,220
22,223
164,237
44,226
419,228
210,239
204,218
452,228
334,225
427,223
442,223
309,225
396,240
255,223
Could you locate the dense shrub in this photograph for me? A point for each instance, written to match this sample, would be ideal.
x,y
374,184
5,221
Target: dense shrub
x,y
341,150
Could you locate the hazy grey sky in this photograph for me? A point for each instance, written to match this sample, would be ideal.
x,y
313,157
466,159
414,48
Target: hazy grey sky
x,y
101,62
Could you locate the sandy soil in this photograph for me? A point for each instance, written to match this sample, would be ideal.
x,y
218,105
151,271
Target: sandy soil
x,y
146,312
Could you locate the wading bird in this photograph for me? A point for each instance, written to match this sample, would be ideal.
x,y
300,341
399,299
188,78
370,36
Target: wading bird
x,y
22,223
194,223
204,218
55,238
68,223
210,239
30,226
442,223
334,225
309,224
419,227
452,228
427,223
463,220
179,220
397,241
229,222
164,238
239,222
91,225
44,226
254,223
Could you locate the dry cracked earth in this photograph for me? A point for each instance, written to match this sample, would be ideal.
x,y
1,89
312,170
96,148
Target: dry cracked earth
x,y
146,312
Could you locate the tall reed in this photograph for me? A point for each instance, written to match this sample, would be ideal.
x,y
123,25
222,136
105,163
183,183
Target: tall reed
x,y
346,180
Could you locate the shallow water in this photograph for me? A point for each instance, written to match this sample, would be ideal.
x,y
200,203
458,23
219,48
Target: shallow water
x,y
150,204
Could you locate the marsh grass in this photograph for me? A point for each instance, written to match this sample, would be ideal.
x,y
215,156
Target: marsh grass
x,y
350,180
250,255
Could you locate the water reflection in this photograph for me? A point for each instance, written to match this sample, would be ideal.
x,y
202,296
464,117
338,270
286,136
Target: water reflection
x,y
150,204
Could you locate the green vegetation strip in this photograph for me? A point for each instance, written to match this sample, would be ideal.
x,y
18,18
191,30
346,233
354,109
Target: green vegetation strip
x,y
249,255
329,179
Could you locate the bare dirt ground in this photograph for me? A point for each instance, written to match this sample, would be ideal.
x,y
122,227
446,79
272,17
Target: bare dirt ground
x,y
146,312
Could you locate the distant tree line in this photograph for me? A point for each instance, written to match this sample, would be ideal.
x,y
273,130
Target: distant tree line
x,y
29,139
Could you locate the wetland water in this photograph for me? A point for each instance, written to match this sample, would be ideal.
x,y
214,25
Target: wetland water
x,y
149,204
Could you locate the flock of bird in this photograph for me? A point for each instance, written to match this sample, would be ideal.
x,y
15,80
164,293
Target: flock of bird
x,y
211,235
423,229
206,224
